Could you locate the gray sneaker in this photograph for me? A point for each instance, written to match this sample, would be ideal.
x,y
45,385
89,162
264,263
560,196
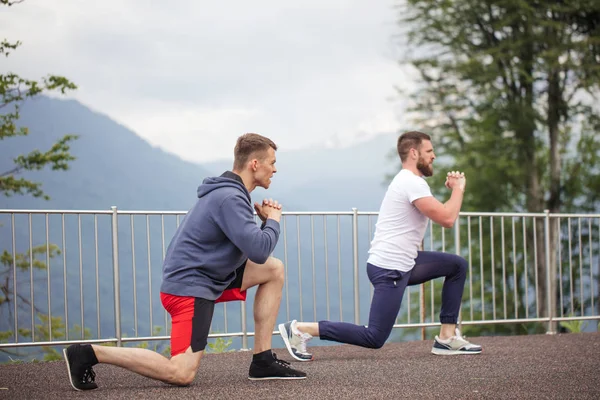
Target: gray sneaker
x,y
295,341
454,345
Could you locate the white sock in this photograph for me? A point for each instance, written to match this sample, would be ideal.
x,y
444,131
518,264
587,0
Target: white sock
x,y
295,330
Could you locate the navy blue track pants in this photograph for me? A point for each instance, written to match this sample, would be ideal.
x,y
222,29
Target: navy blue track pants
x,y
389,288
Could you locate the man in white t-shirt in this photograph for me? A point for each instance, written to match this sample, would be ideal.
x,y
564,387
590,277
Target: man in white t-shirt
x,y
395,260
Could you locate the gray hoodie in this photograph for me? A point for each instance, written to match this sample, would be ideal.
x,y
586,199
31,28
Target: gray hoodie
x,y
216,237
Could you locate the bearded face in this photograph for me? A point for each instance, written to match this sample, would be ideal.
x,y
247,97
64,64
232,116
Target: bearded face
x,y
425,168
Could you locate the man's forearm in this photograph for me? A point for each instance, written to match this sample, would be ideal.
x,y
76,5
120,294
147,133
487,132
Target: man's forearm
x,y
454,203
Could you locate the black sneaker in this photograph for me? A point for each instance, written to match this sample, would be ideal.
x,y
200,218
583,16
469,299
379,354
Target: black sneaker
x,y
275,369
81,374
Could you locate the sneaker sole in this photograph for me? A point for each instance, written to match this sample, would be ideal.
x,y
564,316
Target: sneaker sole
x,y
442,352
284,335
277,378
69,369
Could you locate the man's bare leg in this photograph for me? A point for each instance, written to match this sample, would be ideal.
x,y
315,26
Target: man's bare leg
x,y
179,370
269,277
447,331
311,328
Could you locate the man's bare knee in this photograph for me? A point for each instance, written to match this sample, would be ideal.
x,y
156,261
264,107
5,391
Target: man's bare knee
x,y
278,270
183,368
186,377
182,376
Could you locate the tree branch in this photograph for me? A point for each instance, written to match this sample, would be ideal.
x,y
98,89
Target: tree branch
x,y
13,171
11,2
493,41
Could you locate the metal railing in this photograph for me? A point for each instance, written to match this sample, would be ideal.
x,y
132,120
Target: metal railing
x,y
90,276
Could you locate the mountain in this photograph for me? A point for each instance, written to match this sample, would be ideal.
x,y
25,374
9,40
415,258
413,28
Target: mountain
x,y
115,166
330,179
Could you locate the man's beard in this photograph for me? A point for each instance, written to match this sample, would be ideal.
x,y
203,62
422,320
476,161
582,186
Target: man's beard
x,y
426,170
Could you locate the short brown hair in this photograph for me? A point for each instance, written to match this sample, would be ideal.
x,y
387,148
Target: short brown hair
x,y
410,140
248,144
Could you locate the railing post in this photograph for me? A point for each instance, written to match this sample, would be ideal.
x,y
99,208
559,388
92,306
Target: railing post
x,y
457,251
549,278
422,298
422,309
355,262
457,236
117,288
244,328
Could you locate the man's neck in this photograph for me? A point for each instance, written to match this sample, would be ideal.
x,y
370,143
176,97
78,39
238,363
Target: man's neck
x,y
247,179
412,168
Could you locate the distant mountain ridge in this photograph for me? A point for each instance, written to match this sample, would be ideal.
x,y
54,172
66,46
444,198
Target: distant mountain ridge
x,y
115,166
326,179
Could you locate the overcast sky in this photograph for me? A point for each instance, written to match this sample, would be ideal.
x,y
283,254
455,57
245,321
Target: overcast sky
x,y
191,76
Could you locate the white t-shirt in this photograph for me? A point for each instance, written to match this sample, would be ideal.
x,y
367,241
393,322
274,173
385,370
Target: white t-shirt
x,y
400,226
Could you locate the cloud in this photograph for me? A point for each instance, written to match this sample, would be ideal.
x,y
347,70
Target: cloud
x,y
192,76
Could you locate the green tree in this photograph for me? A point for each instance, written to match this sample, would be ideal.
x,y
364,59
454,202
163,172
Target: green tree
x,y
509,90
14,90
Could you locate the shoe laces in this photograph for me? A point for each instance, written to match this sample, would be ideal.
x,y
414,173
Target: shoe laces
x,y
304,337
459,337
89,376
283,363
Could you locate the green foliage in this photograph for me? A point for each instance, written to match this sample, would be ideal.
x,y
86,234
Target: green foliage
x,y
4,336
493,288
219,345
50,328
22,261
15,89
504,89
572,326
25,261
507,292
509,91
47,328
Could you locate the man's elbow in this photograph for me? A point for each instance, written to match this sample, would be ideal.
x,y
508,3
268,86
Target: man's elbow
x,y
447,221
258,258
448,224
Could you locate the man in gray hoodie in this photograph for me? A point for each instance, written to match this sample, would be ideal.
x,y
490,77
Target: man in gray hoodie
x,y
216,254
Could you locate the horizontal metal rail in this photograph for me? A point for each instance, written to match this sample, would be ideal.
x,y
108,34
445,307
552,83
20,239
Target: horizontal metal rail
x,y
93,276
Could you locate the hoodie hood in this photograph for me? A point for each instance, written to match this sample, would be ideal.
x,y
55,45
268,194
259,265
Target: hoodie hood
x,y
227,179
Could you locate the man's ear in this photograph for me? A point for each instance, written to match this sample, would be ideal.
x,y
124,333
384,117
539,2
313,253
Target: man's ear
x,y
254,164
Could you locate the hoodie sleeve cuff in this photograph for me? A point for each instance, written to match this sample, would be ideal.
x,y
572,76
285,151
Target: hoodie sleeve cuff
x,y
272,224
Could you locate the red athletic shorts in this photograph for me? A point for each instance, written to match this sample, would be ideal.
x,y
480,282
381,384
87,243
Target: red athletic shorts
x,y
191,316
